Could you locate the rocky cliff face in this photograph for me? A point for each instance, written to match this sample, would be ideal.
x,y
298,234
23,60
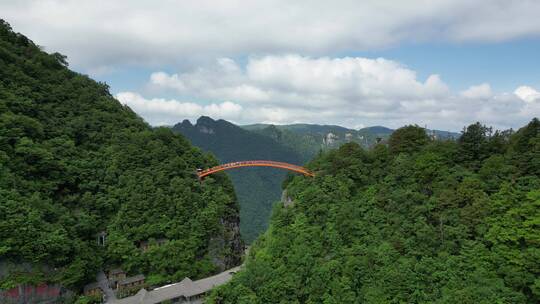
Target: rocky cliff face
x,y
233,240
226,249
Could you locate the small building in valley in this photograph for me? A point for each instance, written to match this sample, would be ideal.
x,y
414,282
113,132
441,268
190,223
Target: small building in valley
x,y
114,276
93,289
185,291
130,285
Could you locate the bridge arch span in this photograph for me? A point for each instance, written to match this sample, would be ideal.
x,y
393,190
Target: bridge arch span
x,y
255,163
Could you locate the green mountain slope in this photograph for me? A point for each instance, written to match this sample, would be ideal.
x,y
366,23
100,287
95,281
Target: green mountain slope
x,y
257,189
419,221
310,139
74,162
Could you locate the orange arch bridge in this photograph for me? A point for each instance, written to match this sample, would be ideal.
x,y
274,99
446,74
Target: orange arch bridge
x,y
255,163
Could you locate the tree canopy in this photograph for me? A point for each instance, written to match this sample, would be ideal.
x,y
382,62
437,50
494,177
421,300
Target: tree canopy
x,y
75,162
416,221
407,139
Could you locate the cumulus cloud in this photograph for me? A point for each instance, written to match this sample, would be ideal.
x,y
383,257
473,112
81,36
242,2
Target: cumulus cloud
x,y
348,91
528,94
95,34
158,111
478,91
304,81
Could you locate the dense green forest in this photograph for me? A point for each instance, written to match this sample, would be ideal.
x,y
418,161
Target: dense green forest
x,y
74,162
257,189
413,221
309,139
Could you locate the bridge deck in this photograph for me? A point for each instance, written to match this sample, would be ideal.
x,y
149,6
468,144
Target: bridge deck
x,y
255,163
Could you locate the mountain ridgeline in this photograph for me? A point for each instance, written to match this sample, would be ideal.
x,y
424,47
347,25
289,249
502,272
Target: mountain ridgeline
x,y
256,188
259,188
75,163
411,221
310,139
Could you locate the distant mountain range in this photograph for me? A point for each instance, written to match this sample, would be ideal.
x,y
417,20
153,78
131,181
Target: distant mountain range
x,y
258,188
309,139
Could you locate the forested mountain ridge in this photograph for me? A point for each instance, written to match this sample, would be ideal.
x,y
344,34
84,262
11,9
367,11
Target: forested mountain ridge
x,y
414,221
74,162
257,188
309,139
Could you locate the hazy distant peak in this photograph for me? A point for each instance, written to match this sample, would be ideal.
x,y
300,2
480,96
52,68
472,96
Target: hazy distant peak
x,y
205,120
186,123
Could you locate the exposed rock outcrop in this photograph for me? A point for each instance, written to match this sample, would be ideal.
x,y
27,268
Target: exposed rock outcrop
x,y
226,249
287,200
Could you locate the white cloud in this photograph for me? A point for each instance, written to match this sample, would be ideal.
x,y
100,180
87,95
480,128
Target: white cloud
x,y
158,111
478,91
103,33
103,36
163,79
347,91
528,94
344,77
304,81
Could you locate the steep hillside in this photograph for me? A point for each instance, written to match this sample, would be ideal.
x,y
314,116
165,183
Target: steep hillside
x,y
256,188
309,139
419,221
306,145
74,162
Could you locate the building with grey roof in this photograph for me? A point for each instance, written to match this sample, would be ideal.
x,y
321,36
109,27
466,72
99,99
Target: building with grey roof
x,y
92,289
185,291
131,280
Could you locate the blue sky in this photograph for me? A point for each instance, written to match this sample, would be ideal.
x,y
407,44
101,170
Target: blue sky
x,y
444,63
505,65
